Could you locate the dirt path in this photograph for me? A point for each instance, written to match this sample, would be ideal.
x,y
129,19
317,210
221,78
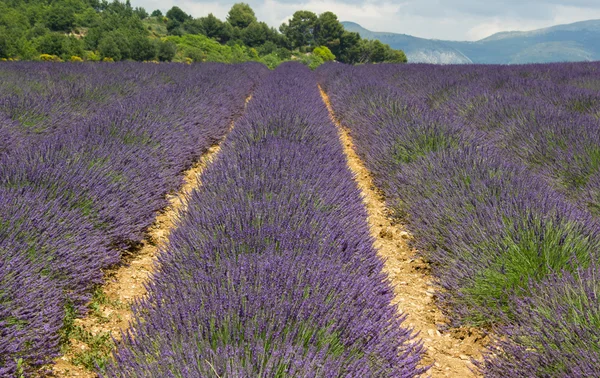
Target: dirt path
x,y
110,311
450,353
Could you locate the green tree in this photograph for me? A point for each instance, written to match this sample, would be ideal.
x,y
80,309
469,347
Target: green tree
x,y
177,14
166,51
142,48
347,51
5,48
300,29
60,18
211,26
141,13
123,43
52,44
267,48
395,56
192,26
156,13
324,53
312,61
108,48
241,15
255,34
72,47
328,30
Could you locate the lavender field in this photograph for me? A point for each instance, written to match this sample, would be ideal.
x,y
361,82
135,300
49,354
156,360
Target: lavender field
x,y
88,153
271,270
495,170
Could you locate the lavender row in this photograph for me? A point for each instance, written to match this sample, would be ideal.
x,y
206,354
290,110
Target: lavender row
x,y
271,271
87,155
482,164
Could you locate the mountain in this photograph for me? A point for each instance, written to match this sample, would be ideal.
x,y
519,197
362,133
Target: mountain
x,y
579,41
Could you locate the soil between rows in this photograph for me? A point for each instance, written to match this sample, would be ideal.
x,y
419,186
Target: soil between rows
x,y
125,284
449,353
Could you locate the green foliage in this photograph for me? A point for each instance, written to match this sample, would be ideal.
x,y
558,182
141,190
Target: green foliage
x,y
300,29
241,15
177,14
312,61
529,251
59,45
60,17
324,53
141,13
212,27
99,30
271,61
108,48
328,30
166,51
142,48
395,56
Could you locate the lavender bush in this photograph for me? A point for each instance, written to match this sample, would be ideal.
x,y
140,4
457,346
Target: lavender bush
x,y
87,155
495,171
271,271
555,333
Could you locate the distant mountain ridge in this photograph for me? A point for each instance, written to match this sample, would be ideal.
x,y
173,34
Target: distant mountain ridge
x,y
579,41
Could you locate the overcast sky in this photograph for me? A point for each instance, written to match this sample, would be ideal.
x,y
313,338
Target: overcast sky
x,y
441,19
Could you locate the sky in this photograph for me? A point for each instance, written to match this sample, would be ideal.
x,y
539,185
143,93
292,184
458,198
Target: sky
x,y
464,20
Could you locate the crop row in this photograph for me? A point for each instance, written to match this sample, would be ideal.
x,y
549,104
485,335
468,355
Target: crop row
x,y
271,272
496,171
87,155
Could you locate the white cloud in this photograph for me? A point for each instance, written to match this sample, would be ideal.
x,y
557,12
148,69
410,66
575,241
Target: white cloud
x,y
560,15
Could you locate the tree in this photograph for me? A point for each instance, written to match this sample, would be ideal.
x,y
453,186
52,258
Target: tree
x,y
267,48
177,14
123,43
193,26
255,34
347,51
142,48
141,13
324,53
300,29
241,15
60,18
328,30
312,61
211,26
166,51
108,48
4,44
395,56
52,44
156,13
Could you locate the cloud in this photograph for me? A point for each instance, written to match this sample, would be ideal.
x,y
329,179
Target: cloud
x,y
440,19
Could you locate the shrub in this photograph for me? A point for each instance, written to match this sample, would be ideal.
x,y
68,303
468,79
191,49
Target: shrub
x,y
108,48
50,58
311,61
75,58
324,53
93,57
166,51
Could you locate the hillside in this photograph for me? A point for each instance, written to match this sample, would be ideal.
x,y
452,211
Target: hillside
x,y
574,42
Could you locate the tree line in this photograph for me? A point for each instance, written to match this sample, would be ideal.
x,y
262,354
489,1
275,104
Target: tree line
x,y
102,30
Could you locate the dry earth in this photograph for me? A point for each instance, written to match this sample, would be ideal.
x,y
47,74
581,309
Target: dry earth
x,y
126,283
449,353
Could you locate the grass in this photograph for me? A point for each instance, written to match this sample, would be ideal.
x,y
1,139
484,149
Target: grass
x,y
528,251
98,347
